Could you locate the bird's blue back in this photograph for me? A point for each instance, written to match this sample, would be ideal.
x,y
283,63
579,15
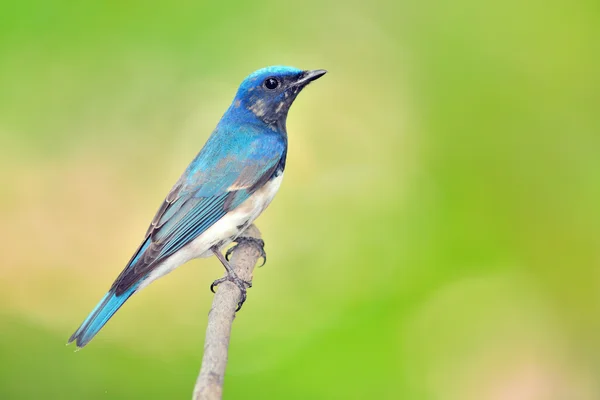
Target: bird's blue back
x,y
236,161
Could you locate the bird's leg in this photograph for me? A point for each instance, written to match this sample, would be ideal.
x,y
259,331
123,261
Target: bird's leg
x,y
231,277
258,243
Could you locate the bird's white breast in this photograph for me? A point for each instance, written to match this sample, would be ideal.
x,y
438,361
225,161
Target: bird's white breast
x,y
223,232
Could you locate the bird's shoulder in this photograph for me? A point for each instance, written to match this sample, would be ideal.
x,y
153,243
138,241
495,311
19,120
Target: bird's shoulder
x,y
231,164
230,153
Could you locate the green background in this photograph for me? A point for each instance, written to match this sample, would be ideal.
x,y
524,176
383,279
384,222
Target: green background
x,y
437,235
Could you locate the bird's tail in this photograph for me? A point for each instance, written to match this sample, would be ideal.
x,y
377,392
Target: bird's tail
x,y
99,316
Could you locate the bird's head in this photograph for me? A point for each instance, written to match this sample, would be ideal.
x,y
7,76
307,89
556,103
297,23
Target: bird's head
x,y
269,92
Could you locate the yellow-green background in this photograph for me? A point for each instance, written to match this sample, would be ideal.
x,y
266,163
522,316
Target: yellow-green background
x,y
437,236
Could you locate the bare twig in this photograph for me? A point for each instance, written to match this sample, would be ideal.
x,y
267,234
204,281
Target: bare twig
x,y
209,385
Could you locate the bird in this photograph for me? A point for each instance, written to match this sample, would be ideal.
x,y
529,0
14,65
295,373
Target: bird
x,y
223,190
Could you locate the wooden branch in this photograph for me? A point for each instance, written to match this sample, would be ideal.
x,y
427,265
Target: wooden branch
x,y
209,385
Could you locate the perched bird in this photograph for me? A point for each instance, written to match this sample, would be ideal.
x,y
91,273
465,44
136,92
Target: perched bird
x,y
229,183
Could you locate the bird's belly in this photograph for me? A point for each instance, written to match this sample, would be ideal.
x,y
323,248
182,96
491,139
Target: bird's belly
x,y
222,232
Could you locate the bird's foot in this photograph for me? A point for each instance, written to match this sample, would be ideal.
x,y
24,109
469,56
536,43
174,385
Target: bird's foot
x,y
240,283
258,243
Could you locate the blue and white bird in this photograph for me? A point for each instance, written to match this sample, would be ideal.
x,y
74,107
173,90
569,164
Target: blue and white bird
x,y
224,189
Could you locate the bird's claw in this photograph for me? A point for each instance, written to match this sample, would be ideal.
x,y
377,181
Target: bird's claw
x,y
240,283
258,243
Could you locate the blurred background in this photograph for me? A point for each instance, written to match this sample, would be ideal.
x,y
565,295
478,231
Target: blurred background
x,y
437,235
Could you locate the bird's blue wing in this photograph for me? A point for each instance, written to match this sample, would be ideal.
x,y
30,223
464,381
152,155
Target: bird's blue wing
x,y
221,177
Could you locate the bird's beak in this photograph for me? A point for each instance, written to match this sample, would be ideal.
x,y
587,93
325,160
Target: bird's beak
x,y
309,76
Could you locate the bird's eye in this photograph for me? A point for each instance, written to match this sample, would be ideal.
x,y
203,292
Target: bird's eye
x,y
271,83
